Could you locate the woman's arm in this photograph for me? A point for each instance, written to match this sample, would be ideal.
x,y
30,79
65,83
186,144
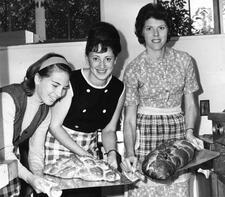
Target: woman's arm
x,y
109,132
130,130
190,118
59,112
36,147
190,112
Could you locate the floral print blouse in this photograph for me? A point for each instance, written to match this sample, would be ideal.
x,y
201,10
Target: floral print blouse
x,y
160,84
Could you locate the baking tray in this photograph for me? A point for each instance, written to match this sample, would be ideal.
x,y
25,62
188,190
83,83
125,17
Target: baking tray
x,y
65,184
200,157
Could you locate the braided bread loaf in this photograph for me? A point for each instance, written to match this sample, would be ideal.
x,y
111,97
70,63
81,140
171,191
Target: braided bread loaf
x,y
83,167
167,158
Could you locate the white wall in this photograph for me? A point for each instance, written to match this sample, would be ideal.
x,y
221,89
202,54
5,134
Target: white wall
x,y
208,52
16,59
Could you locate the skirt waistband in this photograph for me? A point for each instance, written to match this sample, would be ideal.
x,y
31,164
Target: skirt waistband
x,y
159,111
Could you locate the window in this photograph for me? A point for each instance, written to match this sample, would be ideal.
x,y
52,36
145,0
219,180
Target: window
x,y
70,19
204,14
193,17
63,20
222,15
17,15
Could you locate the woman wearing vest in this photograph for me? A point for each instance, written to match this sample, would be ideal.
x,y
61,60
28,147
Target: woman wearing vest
x,y
92,105
26,118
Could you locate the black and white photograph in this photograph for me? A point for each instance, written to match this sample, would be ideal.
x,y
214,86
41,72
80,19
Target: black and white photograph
x,y
112,98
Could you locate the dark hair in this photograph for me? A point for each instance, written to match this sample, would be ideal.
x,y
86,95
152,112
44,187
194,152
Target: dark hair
x,y
105,35
155,11
28,82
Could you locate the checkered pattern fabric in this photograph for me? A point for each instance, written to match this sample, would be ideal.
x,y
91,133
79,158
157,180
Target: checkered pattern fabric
x,y
153,130
12,189
55,150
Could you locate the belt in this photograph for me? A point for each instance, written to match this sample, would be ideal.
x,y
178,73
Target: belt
x,y
159,111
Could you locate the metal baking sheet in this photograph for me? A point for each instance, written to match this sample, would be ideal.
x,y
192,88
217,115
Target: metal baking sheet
x,y
200,157
65,184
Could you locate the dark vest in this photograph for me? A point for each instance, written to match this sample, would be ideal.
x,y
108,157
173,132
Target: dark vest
x,y
92,108
22,141
20,100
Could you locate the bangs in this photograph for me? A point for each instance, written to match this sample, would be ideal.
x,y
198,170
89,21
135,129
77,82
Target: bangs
x,y
99,48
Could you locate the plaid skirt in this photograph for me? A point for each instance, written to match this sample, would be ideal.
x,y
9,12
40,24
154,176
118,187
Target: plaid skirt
x,y
55,150
153,130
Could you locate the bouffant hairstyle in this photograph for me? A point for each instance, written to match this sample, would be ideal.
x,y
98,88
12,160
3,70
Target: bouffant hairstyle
x,y
155,11
101,36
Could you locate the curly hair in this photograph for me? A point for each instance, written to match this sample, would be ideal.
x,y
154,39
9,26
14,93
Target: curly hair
x,y
29,83
105,35
155,11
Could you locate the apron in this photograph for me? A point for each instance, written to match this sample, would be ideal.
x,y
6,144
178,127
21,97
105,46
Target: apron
x,y
154,126
55,150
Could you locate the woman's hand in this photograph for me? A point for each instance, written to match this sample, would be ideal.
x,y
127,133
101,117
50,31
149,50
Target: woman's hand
x,y
197,143
42,185
111,159
85,153
130,163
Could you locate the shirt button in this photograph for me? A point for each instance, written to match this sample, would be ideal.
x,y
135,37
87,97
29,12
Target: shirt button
x,y
106,90
84,110
76,126
104,111
88,90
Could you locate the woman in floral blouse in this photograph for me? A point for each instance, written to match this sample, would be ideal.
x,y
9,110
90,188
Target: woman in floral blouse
x,y
156,81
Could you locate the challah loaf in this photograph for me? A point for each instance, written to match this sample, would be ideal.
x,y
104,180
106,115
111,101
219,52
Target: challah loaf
x,y
167,158
86,168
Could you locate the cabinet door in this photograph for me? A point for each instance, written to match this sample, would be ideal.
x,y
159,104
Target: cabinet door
x,y
218,187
